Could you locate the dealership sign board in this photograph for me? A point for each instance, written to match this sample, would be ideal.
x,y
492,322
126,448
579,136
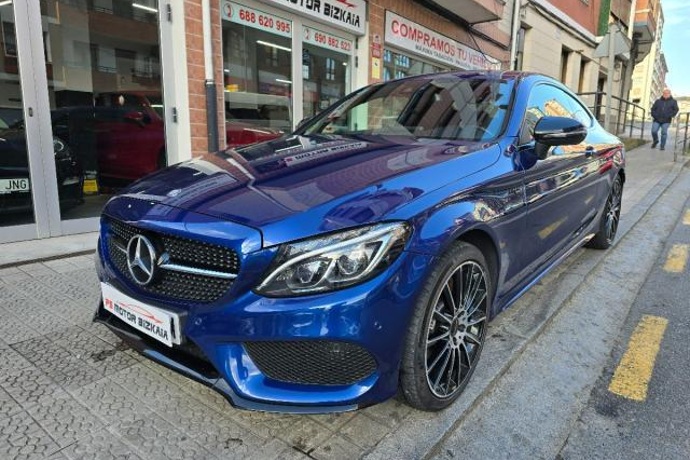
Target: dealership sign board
x,y
256,19
345,14
325,40
414,37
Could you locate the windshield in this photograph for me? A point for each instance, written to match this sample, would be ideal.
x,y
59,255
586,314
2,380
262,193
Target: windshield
x,y
451,107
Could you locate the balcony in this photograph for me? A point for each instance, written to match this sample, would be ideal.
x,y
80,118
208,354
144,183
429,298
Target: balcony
x,y
621,10
644,27
466,11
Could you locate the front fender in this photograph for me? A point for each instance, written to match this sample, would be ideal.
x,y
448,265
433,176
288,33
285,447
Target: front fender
x,y
490,217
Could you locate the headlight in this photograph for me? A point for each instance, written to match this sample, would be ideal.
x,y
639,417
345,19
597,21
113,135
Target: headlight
x,y
334,261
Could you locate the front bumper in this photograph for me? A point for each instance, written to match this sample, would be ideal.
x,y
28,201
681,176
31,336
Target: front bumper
x,y
199,369
373,316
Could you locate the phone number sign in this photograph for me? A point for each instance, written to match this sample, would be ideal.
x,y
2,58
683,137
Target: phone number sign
x,y
325,40
250,17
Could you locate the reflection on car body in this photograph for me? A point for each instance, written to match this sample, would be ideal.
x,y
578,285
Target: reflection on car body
x,y
364,253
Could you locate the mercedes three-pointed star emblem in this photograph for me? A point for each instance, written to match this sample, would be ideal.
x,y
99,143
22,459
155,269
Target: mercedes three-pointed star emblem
x,y
141,259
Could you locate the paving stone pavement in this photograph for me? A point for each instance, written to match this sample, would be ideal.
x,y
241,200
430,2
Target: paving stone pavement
x,y
70,389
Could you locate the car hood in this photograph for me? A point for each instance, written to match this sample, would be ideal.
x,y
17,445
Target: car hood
x,y
297,186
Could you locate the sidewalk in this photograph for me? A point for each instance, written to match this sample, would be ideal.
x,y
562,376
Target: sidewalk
x,y
644,168
46,249
70,389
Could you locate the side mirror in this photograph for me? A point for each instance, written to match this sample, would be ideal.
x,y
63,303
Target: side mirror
x,y
552,131
137,117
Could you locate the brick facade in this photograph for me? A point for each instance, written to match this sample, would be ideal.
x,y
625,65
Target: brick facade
x,y
196,71
584,13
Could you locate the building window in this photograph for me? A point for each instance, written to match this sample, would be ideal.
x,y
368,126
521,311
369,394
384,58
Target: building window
x,y
584,67
565,56
330,68
9,39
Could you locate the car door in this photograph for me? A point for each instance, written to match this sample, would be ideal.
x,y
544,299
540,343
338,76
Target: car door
x,y
561,190
130,136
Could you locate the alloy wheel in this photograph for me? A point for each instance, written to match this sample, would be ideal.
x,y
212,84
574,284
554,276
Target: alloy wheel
x,y
457,329
613,210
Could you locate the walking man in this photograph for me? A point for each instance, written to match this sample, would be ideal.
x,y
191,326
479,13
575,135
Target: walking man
x,y
663,111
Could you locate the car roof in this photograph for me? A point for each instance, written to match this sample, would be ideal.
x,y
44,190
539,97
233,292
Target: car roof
x,y
488,74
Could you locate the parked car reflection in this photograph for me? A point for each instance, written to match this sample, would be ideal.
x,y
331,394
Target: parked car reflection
x,y
15,181
129,134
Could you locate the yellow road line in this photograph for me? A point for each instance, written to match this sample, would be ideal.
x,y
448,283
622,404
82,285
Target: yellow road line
x,y
686,217
677,258
635,369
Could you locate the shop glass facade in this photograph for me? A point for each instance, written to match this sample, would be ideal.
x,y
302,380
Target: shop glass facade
x,y
325,71
95,108
266,83
105,93
257,57
398,65
16,202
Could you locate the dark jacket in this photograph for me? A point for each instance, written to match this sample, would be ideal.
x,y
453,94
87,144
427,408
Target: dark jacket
x,y
664,110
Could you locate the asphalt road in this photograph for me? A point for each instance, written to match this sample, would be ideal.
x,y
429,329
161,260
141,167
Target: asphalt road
x,y
554,401
653,423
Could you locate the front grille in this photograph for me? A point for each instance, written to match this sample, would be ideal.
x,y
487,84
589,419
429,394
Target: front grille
x,y
315,362
201,254
172,284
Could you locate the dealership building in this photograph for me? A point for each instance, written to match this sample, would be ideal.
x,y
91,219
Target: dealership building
x,y
97,93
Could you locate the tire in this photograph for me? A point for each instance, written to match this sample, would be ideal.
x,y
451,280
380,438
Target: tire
x,y
441,352
608,225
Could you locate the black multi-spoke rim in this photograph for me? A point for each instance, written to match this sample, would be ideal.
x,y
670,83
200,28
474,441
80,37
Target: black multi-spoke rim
x,y
613,211
456,329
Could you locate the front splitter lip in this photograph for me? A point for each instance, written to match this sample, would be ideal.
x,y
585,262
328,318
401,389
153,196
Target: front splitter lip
x,y
210,377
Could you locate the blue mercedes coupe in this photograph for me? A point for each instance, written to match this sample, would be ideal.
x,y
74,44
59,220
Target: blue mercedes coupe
x,y
364,254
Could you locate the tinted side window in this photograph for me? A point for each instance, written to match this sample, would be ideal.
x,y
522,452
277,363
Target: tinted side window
x,y
580,113
444,107
548,100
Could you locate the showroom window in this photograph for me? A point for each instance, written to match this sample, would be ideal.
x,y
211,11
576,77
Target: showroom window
x,y
100,51
326,69
257,57
92,51
16,202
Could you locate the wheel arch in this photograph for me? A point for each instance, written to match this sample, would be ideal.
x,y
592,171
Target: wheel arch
x,y
486,244
437,233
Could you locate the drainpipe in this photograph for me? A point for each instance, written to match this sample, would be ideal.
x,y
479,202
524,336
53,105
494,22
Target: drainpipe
x,y
209,83
609,78
514,34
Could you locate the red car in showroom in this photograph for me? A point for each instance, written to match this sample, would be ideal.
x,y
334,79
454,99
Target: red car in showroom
x,y
130,129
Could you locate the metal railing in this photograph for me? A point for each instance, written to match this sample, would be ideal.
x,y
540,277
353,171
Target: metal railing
x,y
626,117
682,134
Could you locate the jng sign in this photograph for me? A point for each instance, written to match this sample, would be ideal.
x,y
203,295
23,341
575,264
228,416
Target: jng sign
x,y
14,185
